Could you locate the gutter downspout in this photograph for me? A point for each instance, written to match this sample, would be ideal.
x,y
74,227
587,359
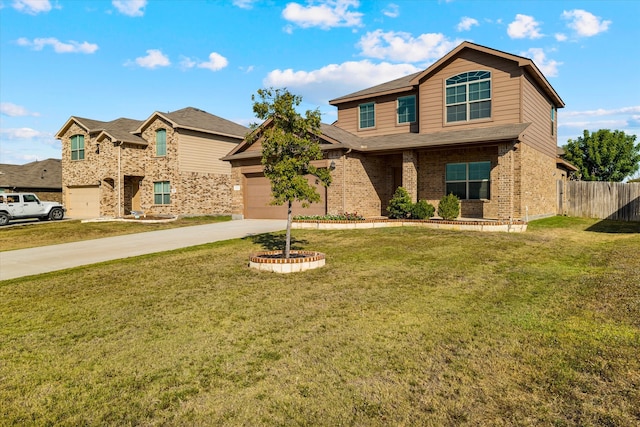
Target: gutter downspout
x,y
119,179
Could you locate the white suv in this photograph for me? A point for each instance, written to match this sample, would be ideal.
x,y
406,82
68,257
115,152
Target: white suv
x,y
27,205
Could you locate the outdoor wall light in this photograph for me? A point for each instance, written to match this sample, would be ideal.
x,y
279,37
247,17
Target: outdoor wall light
x,y
97,148
332,166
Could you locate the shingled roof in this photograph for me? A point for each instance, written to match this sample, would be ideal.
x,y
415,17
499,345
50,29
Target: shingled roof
x,y
44,174
198,120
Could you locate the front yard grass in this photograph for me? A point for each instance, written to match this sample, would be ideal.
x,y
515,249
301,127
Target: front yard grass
x,y
404,326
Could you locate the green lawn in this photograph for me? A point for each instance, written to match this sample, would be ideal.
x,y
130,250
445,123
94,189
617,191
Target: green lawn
x,y
403,326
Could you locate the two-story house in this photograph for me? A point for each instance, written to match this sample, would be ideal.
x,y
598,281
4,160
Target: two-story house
x,y
167,164
479,123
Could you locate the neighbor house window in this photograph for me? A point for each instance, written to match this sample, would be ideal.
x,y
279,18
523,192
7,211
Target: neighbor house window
x,y
161,193
407,109
468,96
469,180
161,142
367,115
553,119
77,147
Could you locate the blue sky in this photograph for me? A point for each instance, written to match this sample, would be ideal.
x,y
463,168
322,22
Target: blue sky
x,y
104,59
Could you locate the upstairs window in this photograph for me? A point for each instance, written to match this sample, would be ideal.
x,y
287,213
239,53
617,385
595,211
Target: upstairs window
x,y
161,142
77,147
407,109
469,180
468,96
553,120
367,115
161,193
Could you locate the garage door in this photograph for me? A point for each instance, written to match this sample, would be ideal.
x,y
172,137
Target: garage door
x,y
258,197
83,202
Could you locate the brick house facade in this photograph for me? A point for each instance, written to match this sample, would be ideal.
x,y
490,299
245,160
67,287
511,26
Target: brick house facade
x,y
167,164
479,123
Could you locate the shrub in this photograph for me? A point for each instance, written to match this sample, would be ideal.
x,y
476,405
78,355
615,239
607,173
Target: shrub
x,y
400,205
449,207
346,216
422,210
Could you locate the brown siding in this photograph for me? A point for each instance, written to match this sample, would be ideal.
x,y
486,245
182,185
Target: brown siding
x,y
505,94
385,113
536,109
201,153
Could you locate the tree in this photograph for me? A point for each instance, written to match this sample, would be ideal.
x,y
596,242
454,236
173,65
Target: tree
x,y
289,145
604,155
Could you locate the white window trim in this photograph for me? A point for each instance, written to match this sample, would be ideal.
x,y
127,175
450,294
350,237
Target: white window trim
x,y
467,102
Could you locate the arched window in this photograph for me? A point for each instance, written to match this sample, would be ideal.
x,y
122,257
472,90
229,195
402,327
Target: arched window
x,y
468,96
77,147
161,142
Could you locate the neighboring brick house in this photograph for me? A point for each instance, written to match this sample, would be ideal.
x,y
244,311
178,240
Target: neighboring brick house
x,y
479,123
43,177
167,164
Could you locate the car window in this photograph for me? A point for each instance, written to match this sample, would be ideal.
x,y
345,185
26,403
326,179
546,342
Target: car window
x,y
29,198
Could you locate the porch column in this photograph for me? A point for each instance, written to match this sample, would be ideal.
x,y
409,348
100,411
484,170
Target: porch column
x,y
410,173
506,180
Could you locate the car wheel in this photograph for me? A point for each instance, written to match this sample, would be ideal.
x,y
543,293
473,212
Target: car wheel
x,y
56,214
4,218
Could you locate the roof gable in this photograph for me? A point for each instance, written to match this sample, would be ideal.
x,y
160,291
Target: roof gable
x,y
197,120
410,82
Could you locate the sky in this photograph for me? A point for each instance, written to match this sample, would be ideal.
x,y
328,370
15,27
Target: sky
x,y
105,59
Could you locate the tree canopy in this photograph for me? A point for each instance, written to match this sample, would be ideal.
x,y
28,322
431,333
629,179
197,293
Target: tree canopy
x,y
604,155
289,145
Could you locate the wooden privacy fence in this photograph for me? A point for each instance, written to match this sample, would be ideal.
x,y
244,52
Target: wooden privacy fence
x,y
603,200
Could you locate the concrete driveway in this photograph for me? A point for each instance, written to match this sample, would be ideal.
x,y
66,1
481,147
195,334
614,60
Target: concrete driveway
x,y
27,262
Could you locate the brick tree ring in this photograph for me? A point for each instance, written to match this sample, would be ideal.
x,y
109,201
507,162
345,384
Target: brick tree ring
x,y
298,261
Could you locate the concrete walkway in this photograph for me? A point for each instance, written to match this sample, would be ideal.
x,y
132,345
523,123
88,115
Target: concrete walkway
x,y
27,262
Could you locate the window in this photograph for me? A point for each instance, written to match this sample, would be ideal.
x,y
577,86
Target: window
x,y
77,147
468,96
161,193
407,109
469,180
553,119
161,142
29,198
367,115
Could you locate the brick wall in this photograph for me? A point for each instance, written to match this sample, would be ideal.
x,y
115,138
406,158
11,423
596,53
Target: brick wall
x,y
539,186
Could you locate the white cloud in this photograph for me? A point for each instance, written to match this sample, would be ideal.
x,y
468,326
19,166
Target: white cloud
x,y
325,15
400,46
32,7
466,23
22,133
244,4
216,62
595,124
524,27
13,110
549,67
585,24
602,112
155,58
130,7
71,46
334,80
561,37
392,10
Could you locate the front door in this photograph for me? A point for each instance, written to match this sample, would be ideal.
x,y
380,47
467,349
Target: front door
x,y
135,195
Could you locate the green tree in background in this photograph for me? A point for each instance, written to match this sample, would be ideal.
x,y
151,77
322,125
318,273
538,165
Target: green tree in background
x,y
604,155
289,145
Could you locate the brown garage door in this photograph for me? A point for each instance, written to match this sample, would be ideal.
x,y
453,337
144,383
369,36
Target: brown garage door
x,y
258,197
83,202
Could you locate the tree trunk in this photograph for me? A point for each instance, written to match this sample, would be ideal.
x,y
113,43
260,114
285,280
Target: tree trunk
x,y
287,247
